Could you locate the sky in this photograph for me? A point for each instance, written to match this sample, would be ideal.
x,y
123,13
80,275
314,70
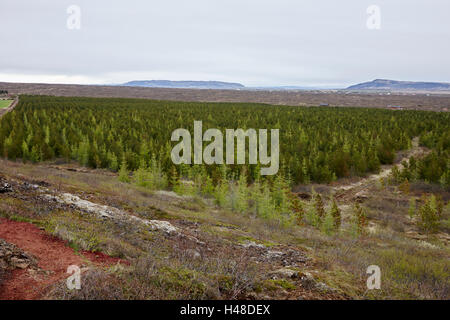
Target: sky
x,y
317,43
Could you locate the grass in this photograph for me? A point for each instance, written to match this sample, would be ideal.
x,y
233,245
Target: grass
x,y
162,267
5,103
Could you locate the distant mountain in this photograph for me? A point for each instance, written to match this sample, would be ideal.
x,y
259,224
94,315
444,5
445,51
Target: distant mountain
x,y
382,84
184,84
290,88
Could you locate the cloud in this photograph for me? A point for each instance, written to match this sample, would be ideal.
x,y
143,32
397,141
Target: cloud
x,y
253,42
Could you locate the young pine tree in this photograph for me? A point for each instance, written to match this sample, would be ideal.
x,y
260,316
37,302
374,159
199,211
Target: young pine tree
x,y
429,216
207,186
158,178
254,194
327,225
25,151
221,193
359,219
305,172
412,208
174,180
266,207
297,208
280,195
311,215
123,172
112,161
318,206
336,214
437,205
242,193
141,177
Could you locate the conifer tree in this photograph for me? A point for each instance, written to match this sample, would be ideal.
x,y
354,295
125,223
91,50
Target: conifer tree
x,y
305,173
221,193
112,160
123,172
174,180
266,207
327,225
297,207
280,195
208,187
428,216
25,155
242,193
141,176
318,205
336,214
360,219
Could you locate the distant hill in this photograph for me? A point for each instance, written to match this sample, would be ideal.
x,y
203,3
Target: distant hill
x,y
184,84
382,84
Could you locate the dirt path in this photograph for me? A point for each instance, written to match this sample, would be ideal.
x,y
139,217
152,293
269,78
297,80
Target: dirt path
x,y
350,191
53,256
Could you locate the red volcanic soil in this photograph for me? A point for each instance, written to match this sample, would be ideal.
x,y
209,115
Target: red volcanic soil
x,y
53,255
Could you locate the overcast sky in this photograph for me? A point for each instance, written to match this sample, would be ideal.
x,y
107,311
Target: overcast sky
x,y
254,42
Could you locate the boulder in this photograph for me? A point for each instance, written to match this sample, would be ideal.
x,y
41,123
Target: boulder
x,y
252,244
11,257
307,280
284,273
163,226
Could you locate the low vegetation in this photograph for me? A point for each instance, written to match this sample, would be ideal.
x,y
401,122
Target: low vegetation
x,y
318,144
239,235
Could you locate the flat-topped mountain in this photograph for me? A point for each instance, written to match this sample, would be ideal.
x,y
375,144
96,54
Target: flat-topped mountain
x,y
383,84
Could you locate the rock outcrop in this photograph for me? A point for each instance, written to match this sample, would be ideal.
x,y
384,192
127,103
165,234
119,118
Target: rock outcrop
x,y
12,257
112,213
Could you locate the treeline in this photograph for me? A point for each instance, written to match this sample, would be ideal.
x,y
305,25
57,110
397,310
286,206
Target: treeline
x,y
317,144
